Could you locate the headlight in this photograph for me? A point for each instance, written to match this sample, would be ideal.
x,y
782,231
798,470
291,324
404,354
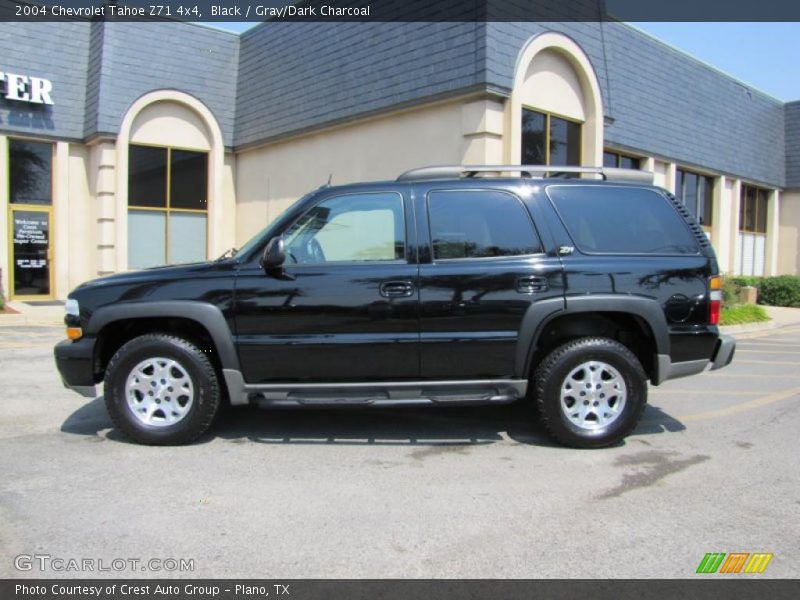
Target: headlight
x,y
73,319
72,308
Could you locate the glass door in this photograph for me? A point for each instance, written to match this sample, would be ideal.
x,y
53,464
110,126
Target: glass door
x,y
32,273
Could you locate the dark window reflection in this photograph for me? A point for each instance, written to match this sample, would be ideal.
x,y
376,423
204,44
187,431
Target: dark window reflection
x,y
697,193
31,172
565,142
477,224
147,176
650,226
534,138
189,180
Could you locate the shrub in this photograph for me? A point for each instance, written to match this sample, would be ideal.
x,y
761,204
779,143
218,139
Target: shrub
x,y
746,281
783,290
743,313
730,291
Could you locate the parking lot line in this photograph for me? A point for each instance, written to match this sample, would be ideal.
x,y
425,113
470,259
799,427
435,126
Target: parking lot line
x,y
767,362
742,406
663,392
776,351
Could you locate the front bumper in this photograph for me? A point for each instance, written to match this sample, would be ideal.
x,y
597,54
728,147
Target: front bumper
x,y
74,361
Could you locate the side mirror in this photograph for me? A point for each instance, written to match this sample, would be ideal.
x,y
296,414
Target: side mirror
x,y
274,254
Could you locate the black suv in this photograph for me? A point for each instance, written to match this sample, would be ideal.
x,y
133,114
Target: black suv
x,y
449,286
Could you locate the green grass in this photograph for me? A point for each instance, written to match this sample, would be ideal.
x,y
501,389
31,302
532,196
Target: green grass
x,y
740,314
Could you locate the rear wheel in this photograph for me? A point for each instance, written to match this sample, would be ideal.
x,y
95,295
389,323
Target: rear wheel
x,y
161,390
591,392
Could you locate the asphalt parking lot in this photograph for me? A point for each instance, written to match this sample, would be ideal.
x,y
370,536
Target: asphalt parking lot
x,y
713,467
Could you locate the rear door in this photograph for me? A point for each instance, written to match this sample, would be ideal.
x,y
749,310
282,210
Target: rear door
x,y
482,264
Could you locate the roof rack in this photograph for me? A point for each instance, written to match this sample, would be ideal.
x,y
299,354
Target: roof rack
x,y
468,171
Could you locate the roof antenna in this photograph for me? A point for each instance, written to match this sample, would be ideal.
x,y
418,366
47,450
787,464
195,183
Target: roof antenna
x,y
330,178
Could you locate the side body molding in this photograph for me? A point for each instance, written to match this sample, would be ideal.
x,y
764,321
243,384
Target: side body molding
x,y
206,315
540,314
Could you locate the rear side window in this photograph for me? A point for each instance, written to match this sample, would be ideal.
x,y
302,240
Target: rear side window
x,y
480,224
621,220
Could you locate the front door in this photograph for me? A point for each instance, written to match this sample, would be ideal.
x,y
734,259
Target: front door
x,y
484,267
345,308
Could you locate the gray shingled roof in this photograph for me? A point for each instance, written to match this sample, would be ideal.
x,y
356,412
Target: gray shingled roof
x,y
281,78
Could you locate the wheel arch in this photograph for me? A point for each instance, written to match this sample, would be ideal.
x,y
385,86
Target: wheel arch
x,y
162,316
596,314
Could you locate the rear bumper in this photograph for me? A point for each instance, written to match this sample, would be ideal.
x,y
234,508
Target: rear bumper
x,y
723,353
722,357
74,361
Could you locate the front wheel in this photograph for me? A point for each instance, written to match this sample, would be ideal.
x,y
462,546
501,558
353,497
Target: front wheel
x,y
161,390
591,392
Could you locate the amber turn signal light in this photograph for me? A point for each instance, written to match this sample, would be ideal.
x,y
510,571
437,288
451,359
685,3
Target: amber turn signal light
x,y
74,333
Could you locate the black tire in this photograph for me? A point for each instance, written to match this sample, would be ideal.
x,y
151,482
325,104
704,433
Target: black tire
x,y
205,399
564,361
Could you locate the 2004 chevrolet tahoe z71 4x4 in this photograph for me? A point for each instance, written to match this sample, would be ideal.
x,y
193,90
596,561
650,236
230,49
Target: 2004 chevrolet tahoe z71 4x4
x,y
449,286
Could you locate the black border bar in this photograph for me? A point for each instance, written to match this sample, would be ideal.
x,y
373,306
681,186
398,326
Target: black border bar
x,y
700,587
399,10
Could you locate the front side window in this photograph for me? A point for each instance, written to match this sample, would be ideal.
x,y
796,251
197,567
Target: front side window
x,y
30,172
697,193
550,140
621,220
480,224
167,206
351,228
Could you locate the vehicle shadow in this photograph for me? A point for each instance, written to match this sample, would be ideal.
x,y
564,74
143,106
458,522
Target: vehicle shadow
x,y
460,426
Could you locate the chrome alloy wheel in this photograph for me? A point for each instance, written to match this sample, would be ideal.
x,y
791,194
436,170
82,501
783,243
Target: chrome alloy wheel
x,y
159,392
593,395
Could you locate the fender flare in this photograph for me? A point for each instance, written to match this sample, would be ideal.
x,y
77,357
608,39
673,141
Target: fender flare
x,y
206,315
540,314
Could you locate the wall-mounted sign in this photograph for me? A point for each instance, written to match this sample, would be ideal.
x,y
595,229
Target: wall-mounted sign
x,y
23,88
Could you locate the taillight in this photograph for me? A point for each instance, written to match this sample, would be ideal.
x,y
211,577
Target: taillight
x,y
715,299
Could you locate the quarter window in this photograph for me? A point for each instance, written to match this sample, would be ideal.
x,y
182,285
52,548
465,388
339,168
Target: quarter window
x,y
480,224
621,220
168,206
352,228
550,140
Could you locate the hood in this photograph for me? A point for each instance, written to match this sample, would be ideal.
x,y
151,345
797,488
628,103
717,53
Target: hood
x,y
144,275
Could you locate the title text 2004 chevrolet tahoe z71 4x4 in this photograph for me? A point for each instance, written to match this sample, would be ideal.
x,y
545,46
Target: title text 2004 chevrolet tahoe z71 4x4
x,y
450,285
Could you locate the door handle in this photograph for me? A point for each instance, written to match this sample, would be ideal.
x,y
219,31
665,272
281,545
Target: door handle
x,y
397,289
531,285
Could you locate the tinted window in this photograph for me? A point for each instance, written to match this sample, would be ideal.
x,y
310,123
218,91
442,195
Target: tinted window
x,y
565,142
621,220
147,176
358,227
478,224
31,168
534,137
188,180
